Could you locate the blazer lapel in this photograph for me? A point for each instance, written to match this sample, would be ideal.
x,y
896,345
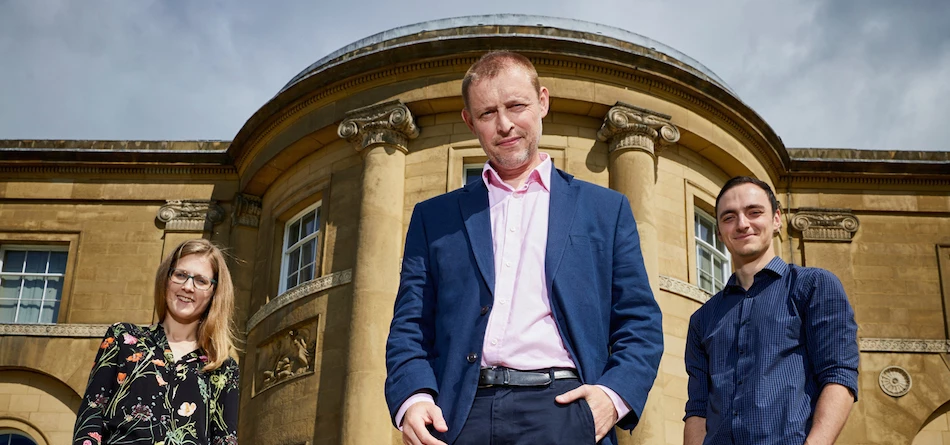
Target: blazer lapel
x,y
473,202
560,218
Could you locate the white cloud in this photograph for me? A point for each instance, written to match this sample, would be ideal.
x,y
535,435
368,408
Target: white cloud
x,y
822,73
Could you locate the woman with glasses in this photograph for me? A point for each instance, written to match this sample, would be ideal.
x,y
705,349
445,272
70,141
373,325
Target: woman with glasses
x,y
172,382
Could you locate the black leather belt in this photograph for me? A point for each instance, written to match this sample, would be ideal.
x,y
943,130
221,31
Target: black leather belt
x,y
501,376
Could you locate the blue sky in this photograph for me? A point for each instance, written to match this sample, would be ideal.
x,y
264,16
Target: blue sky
x,y
869,74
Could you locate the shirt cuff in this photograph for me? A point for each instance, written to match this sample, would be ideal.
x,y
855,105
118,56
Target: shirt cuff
x,y
619,404
412,400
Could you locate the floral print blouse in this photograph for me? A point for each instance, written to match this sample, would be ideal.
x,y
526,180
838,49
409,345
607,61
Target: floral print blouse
x,y
139,394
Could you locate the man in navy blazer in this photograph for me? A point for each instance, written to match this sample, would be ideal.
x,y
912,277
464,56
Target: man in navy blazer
x,y
567,287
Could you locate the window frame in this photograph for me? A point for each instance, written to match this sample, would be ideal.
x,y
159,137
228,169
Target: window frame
x,y
701,246
286,251
466,167
48,248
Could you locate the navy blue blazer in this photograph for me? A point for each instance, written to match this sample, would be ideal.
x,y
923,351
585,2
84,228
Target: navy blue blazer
x,y
600,298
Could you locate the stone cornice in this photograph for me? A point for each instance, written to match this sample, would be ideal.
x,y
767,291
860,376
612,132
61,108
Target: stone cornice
x,y
904,345
302,291
300,99
816,224
190,215
128,169
684,289
246,210
389,123
54,330
116,152
627,127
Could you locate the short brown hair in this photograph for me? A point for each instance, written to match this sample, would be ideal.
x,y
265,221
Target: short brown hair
x,y
216,331
493,63
739,180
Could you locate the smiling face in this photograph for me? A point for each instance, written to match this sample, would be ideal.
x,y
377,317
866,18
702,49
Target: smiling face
x,y
746,224
504,112
186,304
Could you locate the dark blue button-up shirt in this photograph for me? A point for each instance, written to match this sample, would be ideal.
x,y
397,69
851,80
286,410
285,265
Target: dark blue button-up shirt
x,y
758,359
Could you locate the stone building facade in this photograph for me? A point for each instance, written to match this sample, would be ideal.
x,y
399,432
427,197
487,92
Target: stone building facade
x,y
313,196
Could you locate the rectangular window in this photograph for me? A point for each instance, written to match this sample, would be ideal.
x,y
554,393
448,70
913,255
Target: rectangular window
x,y
301,236
472,172
31,283
712,258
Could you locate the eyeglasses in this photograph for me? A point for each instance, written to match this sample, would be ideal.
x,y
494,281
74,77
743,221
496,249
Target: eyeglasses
x,y
201,282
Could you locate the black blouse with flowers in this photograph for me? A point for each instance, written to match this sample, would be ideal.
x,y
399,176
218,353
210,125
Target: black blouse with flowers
x,y
138,393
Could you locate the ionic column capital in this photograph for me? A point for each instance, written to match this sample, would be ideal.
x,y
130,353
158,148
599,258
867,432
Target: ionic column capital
x,y
195,215
627,127
389,123
816,224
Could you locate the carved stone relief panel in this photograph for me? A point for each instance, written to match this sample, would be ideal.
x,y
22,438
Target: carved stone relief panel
x,y
286,355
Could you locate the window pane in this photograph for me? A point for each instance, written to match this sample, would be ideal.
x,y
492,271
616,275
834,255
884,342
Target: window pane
x,y
50,311
293,233
7,310
54,288
309,250
36,262
309,224
13,261
293,262
708,231
705,283
10,288
705,261
57,262
29,311
17,439
717,269
32,289
306,274
292,280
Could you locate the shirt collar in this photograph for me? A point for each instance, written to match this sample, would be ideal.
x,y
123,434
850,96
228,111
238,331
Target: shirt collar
x,y
776,267
541,174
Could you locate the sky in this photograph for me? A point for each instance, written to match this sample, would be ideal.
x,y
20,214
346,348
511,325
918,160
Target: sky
x,y
868,74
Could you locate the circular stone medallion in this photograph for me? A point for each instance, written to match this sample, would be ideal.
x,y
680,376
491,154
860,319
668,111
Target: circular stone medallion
x,y
895,381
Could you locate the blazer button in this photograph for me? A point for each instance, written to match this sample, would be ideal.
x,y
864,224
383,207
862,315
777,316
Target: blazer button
x,y
472,357
484,310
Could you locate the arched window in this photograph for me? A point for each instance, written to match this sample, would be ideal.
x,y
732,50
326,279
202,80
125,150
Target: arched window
x,y
11,437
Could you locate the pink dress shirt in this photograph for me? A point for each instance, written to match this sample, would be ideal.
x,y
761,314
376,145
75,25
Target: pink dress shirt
x,y
521,333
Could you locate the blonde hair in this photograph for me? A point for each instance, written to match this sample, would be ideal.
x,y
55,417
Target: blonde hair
x,y
494,63
215,330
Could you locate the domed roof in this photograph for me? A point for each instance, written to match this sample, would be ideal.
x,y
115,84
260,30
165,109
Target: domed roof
x,y
513,25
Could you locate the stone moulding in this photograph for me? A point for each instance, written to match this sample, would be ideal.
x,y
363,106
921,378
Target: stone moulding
x,y
904,345
895,381
825,224
54,330
196,215
684,289
246,210
311,287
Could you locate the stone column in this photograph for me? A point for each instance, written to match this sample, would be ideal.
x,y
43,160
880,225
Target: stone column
x,y
245,223
381,134
634,136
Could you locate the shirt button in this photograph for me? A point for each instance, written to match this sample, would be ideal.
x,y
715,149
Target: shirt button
x,y
484,310
502,301
507,263
512,229
472,357
494,342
